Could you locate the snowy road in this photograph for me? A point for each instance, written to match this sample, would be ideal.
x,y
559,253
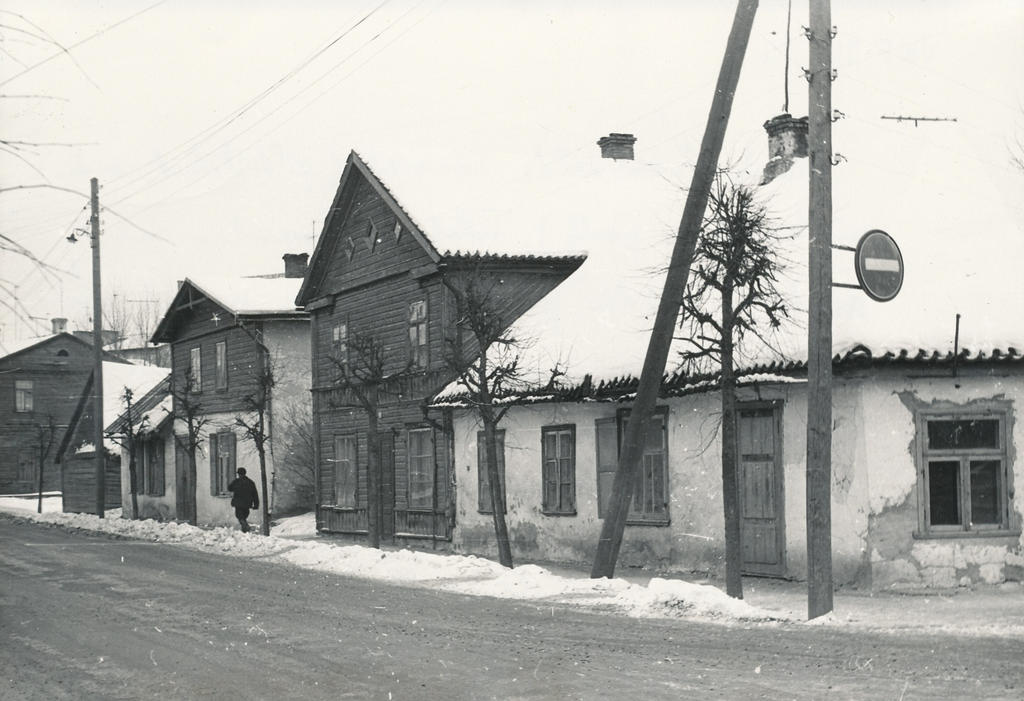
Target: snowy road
x,y
89,617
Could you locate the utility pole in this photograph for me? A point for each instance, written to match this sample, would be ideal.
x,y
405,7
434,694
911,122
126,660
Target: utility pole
x,y
672,294
97,352
819,313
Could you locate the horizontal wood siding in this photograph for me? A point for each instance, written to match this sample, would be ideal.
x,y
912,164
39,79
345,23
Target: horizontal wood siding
x,y
57,383
389,256
243,360
79,484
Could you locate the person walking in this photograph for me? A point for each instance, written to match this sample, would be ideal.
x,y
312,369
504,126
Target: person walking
x,y
244,497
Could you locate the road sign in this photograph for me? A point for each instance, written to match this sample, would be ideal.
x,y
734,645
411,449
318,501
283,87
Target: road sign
x,y
879,265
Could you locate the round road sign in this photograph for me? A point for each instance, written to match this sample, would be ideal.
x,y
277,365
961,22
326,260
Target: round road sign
x,y
879,265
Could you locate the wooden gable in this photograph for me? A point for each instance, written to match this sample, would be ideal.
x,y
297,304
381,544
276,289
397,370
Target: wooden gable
x,y
192,313
367,237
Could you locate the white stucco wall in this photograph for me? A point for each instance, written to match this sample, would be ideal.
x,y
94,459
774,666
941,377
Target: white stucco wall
x,y
874,486
162,507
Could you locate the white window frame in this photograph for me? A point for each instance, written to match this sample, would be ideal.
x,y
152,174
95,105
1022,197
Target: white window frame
x,y
24,399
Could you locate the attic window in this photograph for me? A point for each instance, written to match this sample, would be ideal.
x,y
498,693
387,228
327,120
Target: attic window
x,y
350,247
398,230
371,237
62,353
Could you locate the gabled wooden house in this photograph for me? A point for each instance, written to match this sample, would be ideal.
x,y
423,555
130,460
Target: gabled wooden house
x,y
40,383
377,273
225,334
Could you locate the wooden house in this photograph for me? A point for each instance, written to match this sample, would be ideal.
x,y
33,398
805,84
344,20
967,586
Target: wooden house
x,y
226,334
77,450
40,383
378,275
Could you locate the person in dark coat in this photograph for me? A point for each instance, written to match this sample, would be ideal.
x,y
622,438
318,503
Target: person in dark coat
x,y
243,497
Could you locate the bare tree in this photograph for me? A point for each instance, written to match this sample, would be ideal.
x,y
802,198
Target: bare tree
x,y
45,437
189,410
127,436
256,427
485,357
731,294
298,465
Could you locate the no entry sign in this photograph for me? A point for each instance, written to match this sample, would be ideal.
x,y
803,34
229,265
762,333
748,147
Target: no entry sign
x,y
879,265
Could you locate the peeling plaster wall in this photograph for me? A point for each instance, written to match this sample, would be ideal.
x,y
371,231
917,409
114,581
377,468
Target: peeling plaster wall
x,y
899,556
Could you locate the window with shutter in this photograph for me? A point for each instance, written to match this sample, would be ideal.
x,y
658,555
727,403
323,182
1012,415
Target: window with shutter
x,y
420,454
558,469
484,503
345,472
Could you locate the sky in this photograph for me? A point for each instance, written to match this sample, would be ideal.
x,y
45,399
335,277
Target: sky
x,y
218,130
983,611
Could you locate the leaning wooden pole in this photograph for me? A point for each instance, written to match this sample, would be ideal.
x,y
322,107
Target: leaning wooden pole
x,y
672,294
819,313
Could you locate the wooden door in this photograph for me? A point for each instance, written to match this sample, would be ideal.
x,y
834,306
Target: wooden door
x,y
386,445
762,523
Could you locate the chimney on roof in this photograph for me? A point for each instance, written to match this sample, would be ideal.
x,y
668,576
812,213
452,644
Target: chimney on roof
x,y
59,325
295,264
617,146
787,140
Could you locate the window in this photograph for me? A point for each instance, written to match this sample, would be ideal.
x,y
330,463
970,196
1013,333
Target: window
x,y
339,343
418,334
345,472
23,395
195,368
558,467
964,472
650,490
421,468
222,462
221,365
149,465
484,504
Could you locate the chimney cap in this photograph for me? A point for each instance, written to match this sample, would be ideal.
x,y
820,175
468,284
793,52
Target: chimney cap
x,y
617,145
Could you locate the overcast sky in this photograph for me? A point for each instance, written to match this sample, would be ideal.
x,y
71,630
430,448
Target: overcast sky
x,y
218,130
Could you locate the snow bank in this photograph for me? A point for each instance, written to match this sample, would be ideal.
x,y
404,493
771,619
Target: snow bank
x,y
456,573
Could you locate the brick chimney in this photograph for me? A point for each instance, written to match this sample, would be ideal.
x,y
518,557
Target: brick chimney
x,y
617,146
295,264
59,325
787,140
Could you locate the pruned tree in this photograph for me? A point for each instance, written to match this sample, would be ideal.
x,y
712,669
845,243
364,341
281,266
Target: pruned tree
x,y
127,436
732,295
484,355
46,435
256,427
189,410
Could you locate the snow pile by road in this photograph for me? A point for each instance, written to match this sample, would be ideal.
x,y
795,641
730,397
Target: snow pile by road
x,y
457,573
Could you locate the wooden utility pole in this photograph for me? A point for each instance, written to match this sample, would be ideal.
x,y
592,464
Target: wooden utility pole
x,y
97,352
675,287
819,322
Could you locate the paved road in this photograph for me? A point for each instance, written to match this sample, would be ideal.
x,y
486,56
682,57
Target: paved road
x,y
84,616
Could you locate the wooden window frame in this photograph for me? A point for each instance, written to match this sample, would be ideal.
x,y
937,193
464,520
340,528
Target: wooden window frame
x,y
24,396
997,411
481,472
220,365
222,474
419,334
427,475
195,366
635,517
353,442
28,466
339,342
151,451
549,463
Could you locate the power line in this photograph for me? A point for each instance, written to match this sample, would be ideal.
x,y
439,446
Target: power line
x,y
77,44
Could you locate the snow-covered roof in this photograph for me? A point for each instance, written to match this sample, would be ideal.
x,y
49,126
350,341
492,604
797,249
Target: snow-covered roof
x,y
252,296
140,379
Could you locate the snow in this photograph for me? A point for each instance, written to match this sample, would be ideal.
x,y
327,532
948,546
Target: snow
x,y
117,377
988,611
251,295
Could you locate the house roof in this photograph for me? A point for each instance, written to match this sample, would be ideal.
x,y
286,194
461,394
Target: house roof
x,y
261,297
149,411
16,347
